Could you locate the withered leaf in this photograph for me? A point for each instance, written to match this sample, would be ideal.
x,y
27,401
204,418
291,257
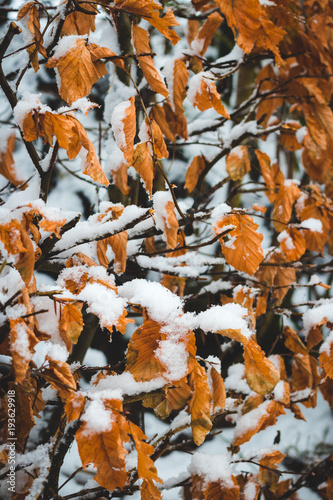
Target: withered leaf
x,y
261,374
193,172
199,404
238,163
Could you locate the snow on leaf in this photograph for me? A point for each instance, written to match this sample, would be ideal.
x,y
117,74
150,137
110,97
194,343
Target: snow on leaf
x,y
17,243
292,243
326,355
22,342
141,45
238,163
205,34
257,420
203,95
106,449
243,251
199,404
166,219
123,121
74,406
79,67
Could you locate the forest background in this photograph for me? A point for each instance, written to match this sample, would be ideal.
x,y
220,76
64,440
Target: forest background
x,y
166,249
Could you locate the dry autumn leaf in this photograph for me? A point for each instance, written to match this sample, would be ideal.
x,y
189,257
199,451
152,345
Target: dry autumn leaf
x,y
203,95
123,123
261,374
141,45
144,164
243,250
71,321
199,404
193,172
238,163
79,68
7,166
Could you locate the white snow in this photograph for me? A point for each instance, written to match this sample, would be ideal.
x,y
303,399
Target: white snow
x,y
117,122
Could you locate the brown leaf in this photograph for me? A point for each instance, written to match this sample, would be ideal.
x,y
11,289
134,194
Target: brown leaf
x,y
163,25
171,225
199,404
292,243
22,343
144,164
158,114
243,250
238,163
146,63
283,204
146,467
206,32
7,166
326,357
74,406
80,68
193,172
80,23
293,342
180,76
124,128
71,321
272,175
141,360
251,25
218,389
257,420
105,449
206,96
154,132
60,377
261,374
17,242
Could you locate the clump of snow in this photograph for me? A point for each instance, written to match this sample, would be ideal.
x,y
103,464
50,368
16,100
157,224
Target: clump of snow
x,y
218,318
116,386
315,315
235,381
286,238
160,199
301,133
26,104
162,305
22,344
66,44
6,133
315,225
173,355
97,418
250,420
279,391
220,211
212,468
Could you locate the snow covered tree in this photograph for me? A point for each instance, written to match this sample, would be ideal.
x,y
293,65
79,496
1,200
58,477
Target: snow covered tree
x,y
165,249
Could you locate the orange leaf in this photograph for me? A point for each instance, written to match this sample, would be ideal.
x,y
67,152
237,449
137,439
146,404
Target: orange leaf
x,y
272,175
158,114
293,342
292,243
203,95
118,243
261,374
144,165
283,204
71,321
141,45
243,250
146,467
163,25
238,163
105,449
60,376
218,389
251,25
206,32
17,242
194,171
123,123
79,68
177,81
74,406
153,131
6,157
199,405
22,342
141,360
326,356
80,23
257,420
